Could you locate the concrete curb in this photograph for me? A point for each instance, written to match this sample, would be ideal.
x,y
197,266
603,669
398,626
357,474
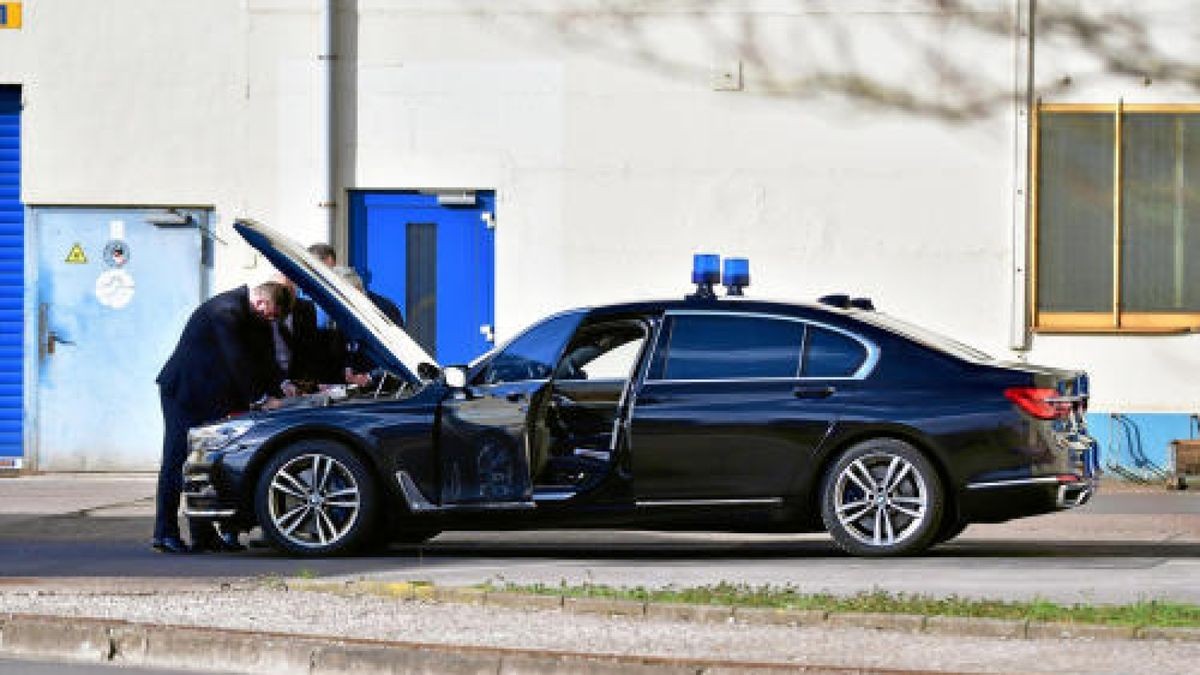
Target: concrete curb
x,y
129,643
904,623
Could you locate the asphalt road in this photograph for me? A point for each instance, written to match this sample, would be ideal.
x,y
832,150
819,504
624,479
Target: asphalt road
x,y
1123,547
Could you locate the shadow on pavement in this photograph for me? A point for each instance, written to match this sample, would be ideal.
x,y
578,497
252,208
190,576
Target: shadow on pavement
x,y
93,558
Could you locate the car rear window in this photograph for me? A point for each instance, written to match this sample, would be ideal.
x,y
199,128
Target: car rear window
x,y
713,347
926,337
831,354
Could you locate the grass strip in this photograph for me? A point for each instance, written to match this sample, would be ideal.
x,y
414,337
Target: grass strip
x,y
1148,613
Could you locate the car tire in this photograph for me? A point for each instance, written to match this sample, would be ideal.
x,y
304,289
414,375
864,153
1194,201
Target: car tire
x,y
950,531
882,497
315,498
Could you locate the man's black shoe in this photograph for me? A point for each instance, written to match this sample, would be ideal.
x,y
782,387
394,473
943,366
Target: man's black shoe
x,y
170,545
226,542
229,542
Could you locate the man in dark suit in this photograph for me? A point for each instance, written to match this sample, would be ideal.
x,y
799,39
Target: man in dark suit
x,y
301,349
224,362
357,366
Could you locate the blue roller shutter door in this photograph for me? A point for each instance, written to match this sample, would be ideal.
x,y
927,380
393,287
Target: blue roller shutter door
x,y
12,272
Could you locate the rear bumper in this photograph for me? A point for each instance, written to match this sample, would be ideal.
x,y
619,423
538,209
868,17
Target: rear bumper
x,y
1068,480
997,501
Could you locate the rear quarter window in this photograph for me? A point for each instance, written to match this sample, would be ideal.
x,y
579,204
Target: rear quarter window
x,y
831,354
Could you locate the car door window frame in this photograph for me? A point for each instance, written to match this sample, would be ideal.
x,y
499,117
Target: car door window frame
x,y
663,341
479,378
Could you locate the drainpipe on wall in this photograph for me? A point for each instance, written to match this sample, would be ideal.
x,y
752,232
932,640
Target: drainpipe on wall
x,y
326,59
1023,97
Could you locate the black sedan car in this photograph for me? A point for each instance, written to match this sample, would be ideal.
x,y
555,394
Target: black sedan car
x,y
699,413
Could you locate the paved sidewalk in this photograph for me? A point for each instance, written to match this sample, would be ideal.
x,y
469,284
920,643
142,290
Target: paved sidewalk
x,y
78,493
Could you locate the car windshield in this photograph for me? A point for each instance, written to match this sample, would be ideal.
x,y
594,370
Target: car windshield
x,y
924,336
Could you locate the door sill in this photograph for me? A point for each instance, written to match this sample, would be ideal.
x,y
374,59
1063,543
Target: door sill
x,y
419,503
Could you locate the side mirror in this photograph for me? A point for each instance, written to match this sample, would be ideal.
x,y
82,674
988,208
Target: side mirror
x,y
456,377
428,371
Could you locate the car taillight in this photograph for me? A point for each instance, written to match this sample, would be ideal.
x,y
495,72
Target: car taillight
x,y
1042,403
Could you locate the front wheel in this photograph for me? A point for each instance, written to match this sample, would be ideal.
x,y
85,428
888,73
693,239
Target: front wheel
x,y
315,498
882,497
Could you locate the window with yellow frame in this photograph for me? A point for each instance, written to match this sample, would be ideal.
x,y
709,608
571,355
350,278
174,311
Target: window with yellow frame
x,y
1116,218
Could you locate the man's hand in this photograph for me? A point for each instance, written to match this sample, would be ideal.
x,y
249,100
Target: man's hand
x,y
272,403
360,379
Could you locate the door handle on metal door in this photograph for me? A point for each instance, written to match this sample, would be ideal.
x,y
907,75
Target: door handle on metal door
x,y
53,339
813,392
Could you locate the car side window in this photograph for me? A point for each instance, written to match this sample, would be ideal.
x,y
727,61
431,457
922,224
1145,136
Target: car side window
x,y
831,354
602,352
532,355
716,347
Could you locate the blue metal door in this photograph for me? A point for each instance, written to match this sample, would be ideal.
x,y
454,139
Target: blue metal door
x,y
434,256
12,280
115,287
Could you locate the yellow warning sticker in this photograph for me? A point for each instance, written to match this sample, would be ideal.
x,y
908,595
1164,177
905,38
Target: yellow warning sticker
x,y
10,15
76,255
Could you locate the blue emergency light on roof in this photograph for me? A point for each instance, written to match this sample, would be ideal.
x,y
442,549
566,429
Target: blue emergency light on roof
x,y
736,275
706,271
706,268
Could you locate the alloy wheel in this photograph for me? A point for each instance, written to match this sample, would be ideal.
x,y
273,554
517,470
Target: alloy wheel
x,y
314,500
881,499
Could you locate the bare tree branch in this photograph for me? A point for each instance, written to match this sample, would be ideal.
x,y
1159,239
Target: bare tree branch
x,y
829,60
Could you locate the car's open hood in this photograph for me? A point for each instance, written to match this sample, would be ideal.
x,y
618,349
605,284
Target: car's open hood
x,y
357,317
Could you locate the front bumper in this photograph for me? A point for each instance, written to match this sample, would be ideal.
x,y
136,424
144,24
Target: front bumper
x,y
203,497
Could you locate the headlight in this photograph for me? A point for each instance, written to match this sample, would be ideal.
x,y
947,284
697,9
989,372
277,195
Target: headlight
x,y
217,436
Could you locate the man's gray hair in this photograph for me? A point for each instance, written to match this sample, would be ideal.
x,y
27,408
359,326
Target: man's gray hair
x,y
322,251
351,275
281,296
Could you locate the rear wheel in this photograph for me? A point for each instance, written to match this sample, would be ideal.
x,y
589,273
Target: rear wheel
x,y
315,498
882,497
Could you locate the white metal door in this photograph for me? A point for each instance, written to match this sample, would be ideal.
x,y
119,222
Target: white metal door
x,y
114,290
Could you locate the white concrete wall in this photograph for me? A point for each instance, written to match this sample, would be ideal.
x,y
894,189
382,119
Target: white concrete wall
x,y
153,102
613,155
612,169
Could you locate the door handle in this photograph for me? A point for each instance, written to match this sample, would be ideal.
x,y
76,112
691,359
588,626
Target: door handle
x,y
514,396
53,339
813,392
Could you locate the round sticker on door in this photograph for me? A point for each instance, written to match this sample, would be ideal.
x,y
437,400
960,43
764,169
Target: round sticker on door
x,y
116,253
114,288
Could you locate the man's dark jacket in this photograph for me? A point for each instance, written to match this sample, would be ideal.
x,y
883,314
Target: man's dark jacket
x,y
224,360
310,359
389,308
351,353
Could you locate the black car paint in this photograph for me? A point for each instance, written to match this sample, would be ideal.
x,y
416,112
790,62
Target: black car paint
x,y
952,409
